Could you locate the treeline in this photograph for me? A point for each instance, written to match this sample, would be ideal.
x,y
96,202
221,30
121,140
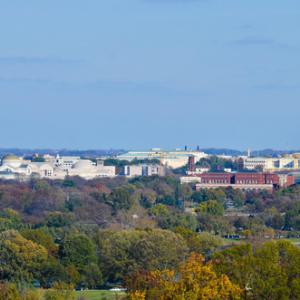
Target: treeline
x,y
152,264
90,257
150,202
62,152
102,233
267,271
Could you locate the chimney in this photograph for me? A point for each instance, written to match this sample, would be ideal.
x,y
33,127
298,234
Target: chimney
x,y
191,163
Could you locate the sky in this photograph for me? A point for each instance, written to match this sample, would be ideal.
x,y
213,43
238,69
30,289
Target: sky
x,y
137,74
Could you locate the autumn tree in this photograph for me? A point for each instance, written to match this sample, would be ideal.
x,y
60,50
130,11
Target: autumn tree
x,y
21,259
202,243
124,252
271,271
9,291
211,207
60,291
194,280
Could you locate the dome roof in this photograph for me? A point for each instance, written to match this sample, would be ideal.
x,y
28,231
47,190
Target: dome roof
x,y
12,161
83,164
11,158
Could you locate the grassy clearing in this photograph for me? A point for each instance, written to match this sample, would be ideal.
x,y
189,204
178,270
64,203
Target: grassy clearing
x,y
100,295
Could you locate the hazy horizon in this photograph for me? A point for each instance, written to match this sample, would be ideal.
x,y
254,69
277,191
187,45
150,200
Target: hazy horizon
x,y
140,74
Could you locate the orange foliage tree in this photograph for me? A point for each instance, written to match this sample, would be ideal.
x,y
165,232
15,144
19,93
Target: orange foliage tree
x,y
194,280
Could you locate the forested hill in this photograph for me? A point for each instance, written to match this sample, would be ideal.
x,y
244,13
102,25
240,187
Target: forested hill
x,y
93,153
262,152
67,152
118,232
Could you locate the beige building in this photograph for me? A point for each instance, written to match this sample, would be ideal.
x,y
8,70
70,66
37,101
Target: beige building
x,y
88,170
286,163
171,159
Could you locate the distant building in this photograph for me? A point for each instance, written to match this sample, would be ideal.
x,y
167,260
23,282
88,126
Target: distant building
x,y
64,162
244,180
171,159
143,170
198,170
132,171
14,167
286,163
89,170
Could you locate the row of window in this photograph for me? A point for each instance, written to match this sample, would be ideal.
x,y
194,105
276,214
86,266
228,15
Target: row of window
x,y
215,181
247,181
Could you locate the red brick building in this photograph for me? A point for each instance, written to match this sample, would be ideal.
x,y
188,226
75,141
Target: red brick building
x,y
240,180
224,178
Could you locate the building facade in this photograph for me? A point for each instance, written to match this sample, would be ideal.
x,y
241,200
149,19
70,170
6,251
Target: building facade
x,y
171,159
244,180
17,168
286,163
143,170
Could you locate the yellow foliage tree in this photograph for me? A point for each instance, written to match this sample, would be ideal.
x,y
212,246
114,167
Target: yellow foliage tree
x,y
195,280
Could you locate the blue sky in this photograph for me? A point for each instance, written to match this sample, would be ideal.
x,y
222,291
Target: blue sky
x,y
150,73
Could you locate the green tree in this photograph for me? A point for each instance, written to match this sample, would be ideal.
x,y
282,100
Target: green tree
x,y
127,251
269,272
59,219
91,276
53,271
79,250
79,255
9,291
211,207
120,198
21,259
202,243
39,236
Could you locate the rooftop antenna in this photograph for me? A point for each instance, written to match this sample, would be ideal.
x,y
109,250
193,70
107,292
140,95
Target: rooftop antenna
x,y
249,153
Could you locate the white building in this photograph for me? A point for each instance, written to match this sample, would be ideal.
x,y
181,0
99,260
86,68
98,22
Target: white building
x,y
65,162
13,167
286,163
88,170
133,171
198,170
143,170
154,170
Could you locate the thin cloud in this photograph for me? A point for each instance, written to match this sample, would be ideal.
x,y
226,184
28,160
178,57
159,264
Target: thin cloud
x,y
175,1
37,60
247,27
252,41
249,41
277,86
107,86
